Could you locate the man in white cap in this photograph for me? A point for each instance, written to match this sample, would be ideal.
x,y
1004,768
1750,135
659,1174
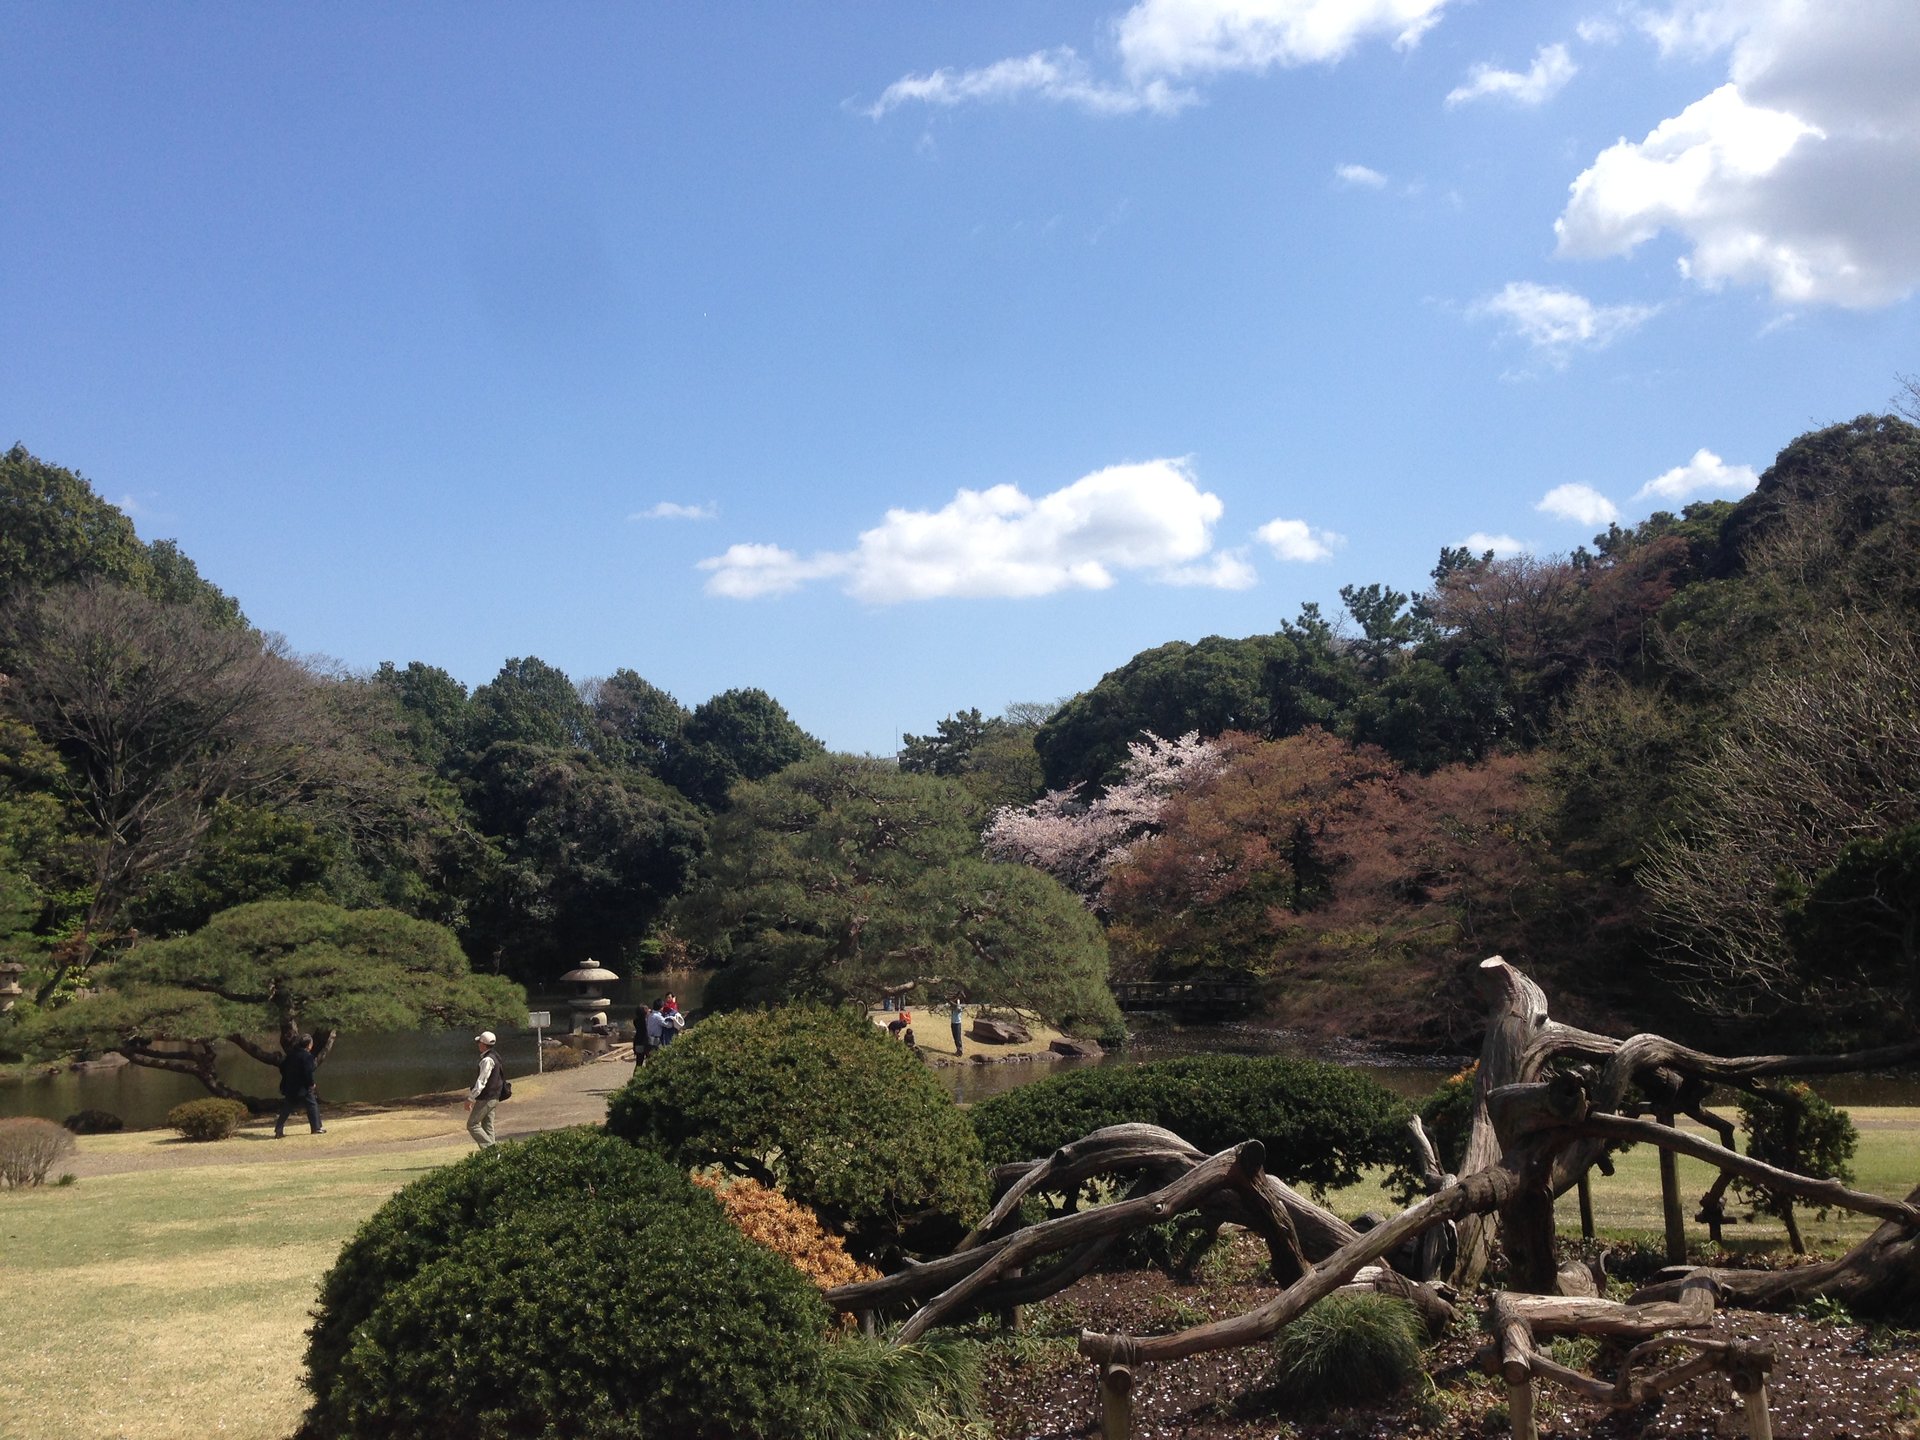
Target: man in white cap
x,y
484,1098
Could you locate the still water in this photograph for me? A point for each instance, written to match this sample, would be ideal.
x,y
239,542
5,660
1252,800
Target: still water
x,y
380,1067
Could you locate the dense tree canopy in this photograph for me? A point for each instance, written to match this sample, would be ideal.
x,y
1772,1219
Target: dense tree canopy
x,y
841,875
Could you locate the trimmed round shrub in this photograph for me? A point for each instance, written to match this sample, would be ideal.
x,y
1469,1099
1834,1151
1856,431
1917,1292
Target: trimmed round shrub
x,y
29,1147
568,1285
1321,1124
819,1103
1349,1349
94,1122
1792,1128
212,1119
436,1212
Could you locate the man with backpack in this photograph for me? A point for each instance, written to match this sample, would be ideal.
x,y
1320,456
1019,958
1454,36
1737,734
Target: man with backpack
x,y
490,1087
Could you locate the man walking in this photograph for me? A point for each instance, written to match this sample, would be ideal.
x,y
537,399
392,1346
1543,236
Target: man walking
x,y
298,1086
484,1098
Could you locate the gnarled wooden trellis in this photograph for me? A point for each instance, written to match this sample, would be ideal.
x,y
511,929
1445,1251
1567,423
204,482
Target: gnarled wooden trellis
x,y
1549,1100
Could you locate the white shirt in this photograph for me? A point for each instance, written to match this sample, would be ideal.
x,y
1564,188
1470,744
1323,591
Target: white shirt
x,y
487,1066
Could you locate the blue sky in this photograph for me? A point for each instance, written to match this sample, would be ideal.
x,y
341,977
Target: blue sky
x,y
901,358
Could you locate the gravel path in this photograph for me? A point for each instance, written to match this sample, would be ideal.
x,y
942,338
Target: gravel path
x,y
422,1124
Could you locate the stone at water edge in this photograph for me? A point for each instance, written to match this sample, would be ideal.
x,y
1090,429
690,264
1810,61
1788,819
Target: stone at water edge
x,y
1077,1049
999,1032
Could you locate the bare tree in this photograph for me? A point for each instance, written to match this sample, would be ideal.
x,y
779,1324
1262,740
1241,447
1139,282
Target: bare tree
x,y
157,717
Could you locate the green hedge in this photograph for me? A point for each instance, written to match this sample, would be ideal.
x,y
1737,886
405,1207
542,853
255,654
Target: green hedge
x,y
568,1285
821,1102
1320,1123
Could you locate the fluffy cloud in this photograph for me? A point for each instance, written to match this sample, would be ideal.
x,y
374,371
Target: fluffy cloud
x,y
1163,42
668,510
1705,474
1149,518
1479,542
1800,174
1359,175
1201,37
1298,541
1552,68
1557,321
1581,504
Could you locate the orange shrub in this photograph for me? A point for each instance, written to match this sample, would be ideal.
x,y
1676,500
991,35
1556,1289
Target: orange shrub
x,y
787,1228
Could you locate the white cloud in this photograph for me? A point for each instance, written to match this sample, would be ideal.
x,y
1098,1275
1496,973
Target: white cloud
x,y
1557,321
1227,570
1801,174
1298,541
1058,75
1163,42
1199,37
1705,474
1552,68
1581,504
668,510
1479,542
1597,30
1359,175
1149,518
746,572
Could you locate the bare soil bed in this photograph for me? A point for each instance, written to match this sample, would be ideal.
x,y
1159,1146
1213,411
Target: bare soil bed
x,y
1832,1381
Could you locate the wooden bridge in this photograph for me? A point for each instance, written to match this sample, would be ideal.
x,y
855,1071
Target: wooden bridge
x,y
1209,997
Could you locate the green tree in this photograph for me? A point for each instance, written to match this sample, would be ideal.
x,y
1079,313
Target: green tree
x,y
276,969
529,703
434,716
737,735
840,875
54,530
591,855
635,722
991,756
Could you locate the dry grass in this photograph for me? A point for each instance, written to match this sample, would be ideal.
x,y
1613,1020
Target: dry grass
x,y
173,1303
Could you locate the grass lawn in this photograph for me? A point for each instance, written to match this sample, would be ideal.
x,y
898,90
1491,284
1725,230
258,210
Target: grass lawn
x,y
173,1303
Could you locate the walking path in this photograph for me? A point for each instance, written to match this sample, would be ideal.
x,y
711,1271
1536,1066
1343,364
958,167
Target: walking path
x,y
424,1123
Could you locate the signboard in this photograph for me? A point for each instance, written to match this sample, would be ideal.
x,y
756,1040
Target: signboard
x,y
539,1019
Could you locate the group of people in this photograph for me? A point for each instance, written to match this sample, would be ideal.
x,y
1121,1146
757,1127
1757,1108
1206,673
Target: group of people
x,y
901,1026
655,1026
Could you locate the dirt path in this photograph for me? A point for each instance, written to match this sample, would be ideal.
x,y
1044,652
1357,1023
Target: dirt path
x,y
424,1123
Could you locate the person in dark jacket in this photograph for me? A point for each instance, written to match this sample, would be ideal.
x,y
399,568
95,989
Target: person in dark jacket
x,y
297,1087
484,1097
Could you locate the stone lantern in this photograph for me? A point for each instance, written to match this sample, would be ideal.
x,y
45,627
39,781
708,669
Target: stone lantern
x,y
589,1006
9,984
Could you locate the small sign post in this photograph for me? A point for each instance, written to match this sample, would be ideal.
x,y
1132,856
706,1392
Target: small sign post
x,y
538,1020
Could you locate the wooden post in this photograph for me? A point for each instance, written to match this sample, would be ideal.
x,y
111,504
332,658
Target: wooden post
x,y
1748,1366
1520,1410
1670,1204
1586,1205
1116,1402
1515,1339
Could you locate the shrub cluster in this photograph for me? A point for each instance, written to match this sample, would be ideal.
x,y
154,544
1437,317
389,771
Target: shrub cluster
x,y
1320,1123
211,1119
94,1122
568,1285
787,1228
29,1147
819,1103
1792,1128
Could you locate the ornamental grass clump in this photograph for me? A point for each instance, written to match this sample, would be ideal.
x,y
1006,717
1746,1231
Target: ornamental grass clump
x,y
29,1148
1348,1349
212,1119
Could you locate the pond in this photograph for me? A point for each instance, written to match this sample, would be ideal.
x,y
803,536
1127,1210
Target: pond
x,y
378,1067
